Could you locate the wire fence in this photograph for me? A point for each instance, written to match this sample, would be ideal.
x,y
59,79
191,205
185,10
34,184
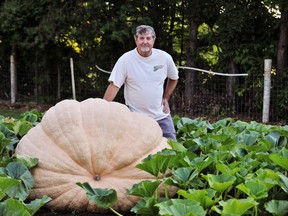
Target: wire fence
x,y
209,99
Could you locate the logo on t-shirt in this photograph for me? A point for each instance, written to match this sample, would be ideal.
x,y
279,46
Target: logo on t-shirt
x,y
157,67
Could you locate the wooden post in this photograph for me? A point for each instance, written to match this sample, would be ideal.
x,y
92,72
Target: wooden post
x,y
13,78
267,88
72,78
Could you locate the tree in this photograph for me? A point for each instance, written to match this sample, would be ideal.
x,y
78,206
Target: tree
x,y
282,52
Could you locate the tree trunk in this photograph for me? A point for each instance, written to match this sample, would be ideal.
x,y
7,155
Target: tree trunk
x,y
282,52
191,56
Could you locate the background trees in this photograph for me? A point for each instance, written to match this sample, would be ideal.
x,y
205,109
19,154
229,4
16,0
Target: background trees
x,y
226,36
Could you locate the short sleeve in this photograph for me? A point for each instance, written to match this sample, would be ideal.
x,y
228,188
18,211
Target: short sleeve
x,y
118,74
172,71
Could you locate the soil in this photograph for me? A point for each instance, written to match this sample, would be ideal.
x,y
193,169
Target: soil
x,y
48,212
7,105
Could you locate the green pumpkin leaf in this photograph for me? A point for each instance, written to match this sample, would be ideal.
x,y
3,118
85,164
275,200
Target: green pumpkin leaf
x,y
204,197
183,176
36,204
235,207
177,146
146,207
5,184
268,177
277,207
144,189
255,189
105,198
158,163
273,137
200,163
27,161
280,160
18,171
180,207
220,182
22,127
283,183
12,207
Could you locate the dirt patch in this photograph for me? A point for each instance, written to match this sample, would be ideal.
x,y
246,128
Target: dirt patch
x,y
48,212
7,105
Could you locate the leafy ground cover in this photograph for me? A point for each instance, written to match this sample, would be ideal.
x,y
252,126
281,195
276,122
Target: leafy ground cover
x,y
227,167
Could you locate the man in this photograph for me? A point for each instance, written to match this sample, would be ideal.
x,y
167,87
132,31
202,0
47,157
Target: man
x,y
143,72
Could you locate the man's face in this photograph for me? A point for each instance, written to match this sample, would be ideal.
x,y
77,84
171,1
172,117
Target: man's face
x,y
145,43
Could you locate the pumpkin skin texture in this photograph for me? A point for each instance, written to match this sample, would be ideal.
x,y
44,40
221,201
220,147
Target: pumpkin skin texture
x,y
92,141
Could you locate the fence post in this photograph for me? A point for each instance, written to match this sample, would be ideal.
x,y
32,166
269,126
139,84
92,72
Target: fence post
x,y
13,78
267,88
72,78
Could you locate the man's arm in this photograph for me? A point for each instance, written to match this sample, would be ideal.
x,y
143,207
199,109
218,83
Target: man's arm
x,y
111,92
170,86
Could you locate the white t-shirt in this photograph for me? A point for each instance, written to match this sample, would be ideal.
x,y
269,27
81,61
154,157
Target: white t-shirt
x,y
143,79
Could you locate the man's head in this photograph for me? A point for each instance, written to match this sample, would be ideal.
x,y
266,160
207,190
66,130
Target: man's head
x,y
144,39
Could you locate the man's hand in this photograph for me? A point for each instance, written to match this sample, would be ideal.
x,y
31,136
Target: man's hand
x,y
166,108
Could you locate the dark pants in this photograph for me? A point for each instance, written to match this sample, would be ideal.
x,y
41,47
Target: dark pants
x,y
167,127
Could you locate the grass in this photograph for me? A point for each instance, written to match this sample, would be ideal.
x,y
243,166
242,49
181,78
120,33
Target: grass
x,y
11,113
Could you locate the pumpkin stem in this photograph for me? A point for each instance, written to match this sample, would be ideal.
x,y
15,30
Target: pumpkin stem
x,y
97,177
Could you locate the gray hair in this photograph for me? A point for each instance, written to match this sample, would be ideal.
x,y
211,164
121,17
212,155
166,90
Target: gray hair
x,y
142,29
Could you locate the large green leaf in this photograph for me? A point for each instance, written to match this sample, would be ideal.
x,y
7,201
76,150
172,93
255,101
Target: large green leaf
x,y
144,189
5,184
280,160
268,177
22,127
178,207
205,197
249,138
254,189
104,198
277,207
158,163
27,161
4,142
18,171
183,176
283,183
276,138
36,204
200,163
146,207
12,207
235,207
220,182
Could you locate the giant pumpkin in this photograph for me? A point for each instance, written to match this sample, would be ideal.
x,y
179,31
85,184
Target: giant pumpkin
x,y
92,141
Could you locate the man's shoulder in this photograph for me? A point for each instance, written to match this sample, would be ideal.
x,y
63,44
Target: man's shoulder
x,y
161,53
129,53
126,57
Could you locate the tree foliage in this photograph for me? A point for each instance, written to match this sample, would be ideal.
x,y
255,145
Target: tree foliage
x,y
208,34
